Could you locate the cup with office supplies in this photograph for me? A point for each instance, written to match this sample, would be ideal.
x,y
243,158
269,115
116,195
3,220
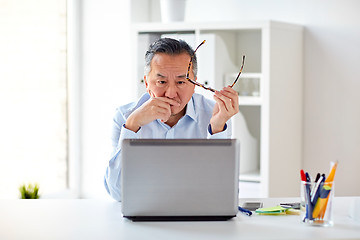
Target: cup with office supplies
x,y
317,196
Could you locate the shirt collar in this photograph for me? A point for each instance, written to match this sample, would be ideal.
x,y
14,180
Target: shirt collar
x,y
190,110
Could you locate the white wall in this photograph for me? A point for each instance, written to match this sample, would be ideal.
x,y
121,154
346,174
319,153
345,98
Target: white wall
x,y
331,78
105,84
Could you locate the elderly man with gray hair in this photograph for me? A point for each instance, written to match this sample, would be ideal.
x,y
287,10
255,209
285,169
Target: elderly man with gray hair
x,y
170,108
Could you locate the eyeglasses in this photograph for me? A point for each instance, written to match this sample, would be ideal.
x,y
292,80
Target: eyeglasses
x,y
202,85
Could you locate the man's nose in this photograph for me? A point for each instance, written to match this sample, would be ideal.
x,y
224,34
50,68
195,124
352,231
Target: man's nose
x,y
171,91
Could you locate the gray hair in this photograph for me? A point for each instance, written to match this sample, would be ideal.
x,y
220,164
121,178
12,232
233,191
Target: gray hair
x,y
168,46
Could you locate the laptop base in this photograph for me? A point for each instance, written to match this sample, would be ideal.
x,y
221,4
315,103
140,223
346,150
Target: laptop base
x,y
178,218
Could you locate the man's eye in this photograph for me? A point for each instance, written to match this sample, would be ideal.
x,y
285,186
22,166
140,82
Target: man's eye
x,y
161,82
181,82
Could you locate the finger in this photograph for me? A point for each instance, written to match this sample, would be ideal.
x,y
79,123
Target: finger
x,y
157,112
154,109
164,117
169,101
230,91
226,100
221,105
162,110
158,103
232,94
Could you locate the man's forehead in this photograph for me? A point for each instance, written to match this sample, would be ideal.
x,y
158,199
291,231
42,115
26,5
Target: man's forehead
x,y
166,61
166,57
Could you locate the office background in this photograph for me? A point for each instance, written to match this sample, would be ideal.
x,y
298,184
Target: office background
x,y
331,101
100,59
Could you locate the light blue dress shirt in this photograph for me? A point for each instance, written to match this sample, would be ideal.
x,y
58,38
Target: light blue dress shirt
x,y
194,124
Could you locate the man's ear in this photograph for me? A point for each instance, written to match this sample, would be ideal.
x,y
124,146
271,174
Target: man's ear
x,y
147,89
195,81
145,81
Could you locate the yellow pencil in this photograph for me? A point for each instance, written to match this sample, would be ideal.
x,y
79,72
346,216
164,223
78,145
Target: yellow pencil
x,y
329,181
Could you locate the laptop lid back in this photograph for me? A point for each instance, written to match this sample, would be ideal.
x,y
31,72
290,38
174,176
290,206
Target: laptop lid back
x,y
180,177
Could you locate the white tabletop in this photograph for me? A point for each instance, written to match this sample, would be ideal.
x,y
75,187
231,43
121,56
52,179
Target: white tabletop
x,y
102,219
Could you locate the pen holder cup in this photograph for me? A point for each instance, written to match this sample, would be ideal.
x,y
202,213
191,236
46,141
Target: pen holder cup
x,y
316,203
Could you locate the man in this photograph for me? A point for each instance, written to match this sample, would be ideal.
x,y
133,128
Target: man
x,y
170,108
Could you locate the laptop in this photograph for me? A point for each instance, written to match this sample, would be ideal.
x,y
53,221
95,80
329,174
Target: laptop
x,y
180,179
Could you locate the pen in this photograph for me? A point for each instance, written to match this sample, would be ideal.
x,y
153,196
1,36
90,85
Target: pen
x,y
245,211
307,176
303,180
302,175
314,186
316,191
308,197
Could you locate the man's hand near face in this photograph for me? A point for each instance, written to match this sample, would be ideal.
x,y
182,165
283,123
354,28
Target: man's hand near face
x,y
154,108
227,105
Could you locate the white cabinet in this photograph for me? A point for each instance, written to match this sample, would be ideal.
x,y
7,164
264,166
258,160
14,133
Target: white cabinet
x,y
270,91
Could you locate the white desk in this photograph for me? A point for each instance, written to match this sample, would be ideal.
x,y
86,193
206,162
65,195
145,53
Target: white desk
x,y
102,219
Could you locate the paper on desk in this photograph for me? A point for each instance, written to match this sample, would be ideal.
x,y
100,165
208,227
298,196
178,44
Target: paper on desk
x,y
277,210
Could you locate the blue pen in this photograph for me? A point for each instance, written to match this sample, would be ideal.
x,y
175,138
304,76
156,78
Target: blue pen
x,y
321,201
309,208
245,211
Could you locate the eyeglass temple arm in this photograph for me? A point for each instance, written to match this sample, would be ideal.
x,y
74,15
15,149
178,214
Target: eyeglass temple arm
x,y
242,66
201,85
191,59
209,88
188,71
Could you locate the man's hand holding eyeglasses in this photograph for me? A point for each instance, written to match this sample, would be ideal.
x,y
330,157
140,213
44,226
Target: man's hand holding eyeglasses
x,y
227,105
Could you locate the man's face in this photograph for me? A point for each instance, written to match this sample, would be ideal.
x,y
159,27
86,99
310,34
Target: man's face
x,y
167,78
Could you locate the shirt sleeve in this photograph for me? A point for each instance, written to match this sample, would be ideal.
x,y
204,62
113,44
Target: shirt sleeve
x,y
113,171
226,133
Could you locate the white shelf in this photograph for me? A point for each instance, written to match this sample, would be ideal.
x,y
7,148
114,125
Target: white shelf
x,y
209,26
250,176
273,119
250,101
